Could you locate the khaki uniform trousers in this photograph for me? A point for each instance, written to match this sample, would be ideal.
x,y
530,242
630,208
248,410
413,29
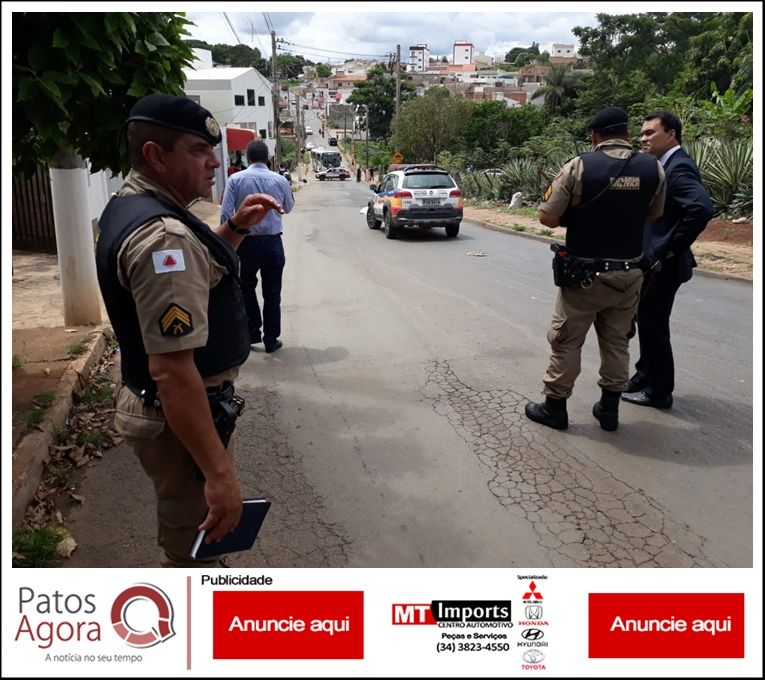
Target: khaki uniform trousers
x,y
611,305
178,483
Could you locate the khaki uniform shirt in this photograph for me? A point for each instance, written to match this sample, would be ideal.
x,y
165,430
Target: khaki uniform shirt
x,y
566,188
156,284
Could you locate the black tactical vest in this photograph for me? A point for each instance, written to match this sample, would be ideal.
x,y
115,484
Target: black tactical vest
x,y
228,342
611,225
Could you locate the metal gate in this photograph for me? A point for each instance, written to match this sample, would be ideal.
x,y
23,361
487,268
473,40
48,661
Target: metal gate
x,y
32,213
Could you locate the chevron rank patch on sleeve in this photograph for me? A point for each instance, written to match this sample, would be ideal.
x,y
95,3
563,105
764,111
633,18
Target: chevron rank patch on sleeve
x,y
175,321
548,193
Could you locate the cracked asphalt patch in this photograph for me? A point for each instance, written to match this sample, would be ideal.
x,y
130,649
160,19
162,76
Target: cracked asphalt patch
x,y
295,533
583,515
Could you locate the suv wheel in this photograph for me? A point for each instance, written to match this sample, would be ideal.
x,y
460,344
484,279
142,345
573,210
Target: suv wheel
x,y
452,229
388,229
372,222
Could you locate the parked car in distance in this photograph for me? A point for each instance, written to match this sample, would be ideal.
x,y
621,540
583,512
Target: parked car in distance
x,y
334,173
308,130
309,146
415,195
332,141
494,172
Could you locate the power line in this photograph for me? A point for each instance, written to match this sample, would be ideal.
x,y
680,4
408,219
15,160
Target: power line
x,y
321,49
231,26
249,24
269,25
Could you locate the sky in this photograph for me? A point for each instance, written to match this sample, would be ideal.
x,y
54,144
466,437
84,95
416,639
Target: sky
x,y
335,34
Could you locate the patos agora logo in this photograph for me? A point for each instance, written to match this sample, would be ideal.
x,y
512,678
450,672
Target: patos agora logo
x,y
143,631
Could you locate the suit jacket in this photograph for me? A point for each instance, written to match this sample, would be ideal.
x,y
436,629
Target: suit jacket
x,y
687,210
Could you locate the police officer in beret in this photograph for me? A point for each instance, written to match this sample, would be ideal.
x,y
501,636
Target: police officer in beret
x,y
603,198
171,289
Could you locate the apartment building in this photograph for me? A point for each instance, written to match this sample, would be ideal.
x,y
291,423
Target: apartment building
x,y
462,52
419,56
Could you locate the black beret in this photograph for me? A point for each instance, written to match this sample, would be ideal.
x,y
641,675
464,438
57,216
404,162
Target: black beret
x,y
177,113
608,119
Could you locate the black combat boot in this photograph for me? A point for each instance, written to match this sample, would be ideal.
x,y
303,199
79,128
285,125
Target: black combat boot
x,y
607,410
551,413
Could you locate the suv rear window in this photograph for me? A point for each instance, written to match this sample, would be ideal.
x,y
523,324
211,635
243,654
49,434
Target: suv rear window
x,y
428,180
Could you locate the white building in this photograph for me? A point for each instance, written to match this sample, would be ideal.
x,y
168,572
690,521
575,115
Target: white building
x,y
484,60
419,56
563,50
237,97
462,52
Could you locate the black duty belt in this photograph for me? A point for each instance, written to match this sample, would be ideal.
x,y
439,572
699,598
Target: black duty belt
x,y
150,397
265,235
615,265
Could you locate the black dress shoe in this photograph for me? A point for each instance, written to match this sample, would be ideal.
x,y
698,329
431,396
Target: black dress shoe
x,y
274,347
634,384
643,399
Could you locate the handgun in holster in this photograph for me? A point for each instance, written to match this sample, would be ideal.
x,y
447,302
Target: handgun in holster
x,y
226,407
570,271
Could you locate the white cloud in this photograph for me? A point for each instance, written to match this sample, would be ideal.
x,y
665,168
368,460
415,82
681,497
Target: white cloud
x,y
339,35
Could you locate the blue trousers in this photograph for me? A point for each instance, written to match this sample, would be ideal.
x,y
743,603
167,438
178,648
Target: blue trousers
x,y
263,255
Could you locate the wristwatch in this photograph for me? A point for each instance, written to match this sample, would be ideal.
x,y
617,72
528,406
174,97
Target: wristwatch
x,y
238,230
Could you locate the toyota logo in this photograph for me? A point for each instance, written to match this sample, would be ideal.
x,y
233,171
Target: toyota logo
x,y
533,656
532,634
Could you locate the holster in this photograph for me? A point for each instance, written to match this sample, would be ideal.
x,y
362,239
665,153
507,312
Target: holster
x,y
226,407
570,271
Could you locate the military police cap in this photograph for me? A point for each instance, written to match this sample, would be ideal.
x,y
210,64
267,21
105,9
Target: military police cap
x,y
610,118
177,113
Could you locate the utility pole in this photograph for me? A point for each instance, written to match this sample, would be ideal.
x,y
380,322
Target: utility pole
x,y
275,86
366,128
298,138
398,79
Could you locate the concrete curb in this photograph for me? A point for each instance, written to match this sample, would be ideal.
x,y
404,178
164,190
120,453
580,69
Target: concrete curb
x,y
32,450
698,271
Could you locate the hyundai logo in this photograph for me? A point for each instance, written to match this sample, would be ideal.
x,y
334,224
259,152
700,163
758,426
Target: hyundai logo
x,y
532,634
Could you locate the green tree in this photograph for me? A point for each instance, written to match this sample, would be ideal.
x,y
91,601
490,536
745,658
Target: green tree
x,y
430,124
512,56
720,53
378,92
558,84
323,70
290,66
493,127
76,76
524,58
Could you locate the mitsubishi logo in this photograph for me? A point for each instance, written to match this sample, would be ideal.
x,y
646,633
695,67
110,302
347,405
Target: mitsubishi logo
x,y
532,592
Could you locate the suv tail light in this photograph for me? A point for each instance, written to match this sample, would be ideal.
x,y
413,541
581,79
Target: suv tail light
x,y
455,193
402,194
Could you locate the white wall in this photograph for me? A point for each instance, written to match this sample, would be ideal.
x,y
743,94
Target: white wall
x,y
203,58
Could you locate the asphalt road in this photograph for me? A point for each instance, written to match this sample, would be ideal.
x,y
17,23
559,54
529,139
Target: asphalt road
x,y
389,429
390,432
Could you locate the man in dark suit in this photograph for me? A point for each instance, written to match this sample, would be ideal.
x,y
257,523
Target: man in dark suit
x,y
667,244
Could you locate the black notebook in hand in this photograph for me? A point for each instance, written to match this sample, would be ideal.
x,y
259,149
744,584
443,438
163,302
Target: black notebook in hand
x,y
254,511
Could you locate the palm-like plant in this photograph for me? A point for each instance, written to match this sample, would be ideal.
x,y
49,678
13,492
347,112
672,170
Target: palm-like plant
x,y
726,170
559,83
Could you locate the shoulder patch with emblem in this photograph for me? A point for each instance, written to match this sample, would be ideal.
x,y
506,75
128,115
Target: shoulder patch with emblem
x,y
168,261
548,193
175,321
